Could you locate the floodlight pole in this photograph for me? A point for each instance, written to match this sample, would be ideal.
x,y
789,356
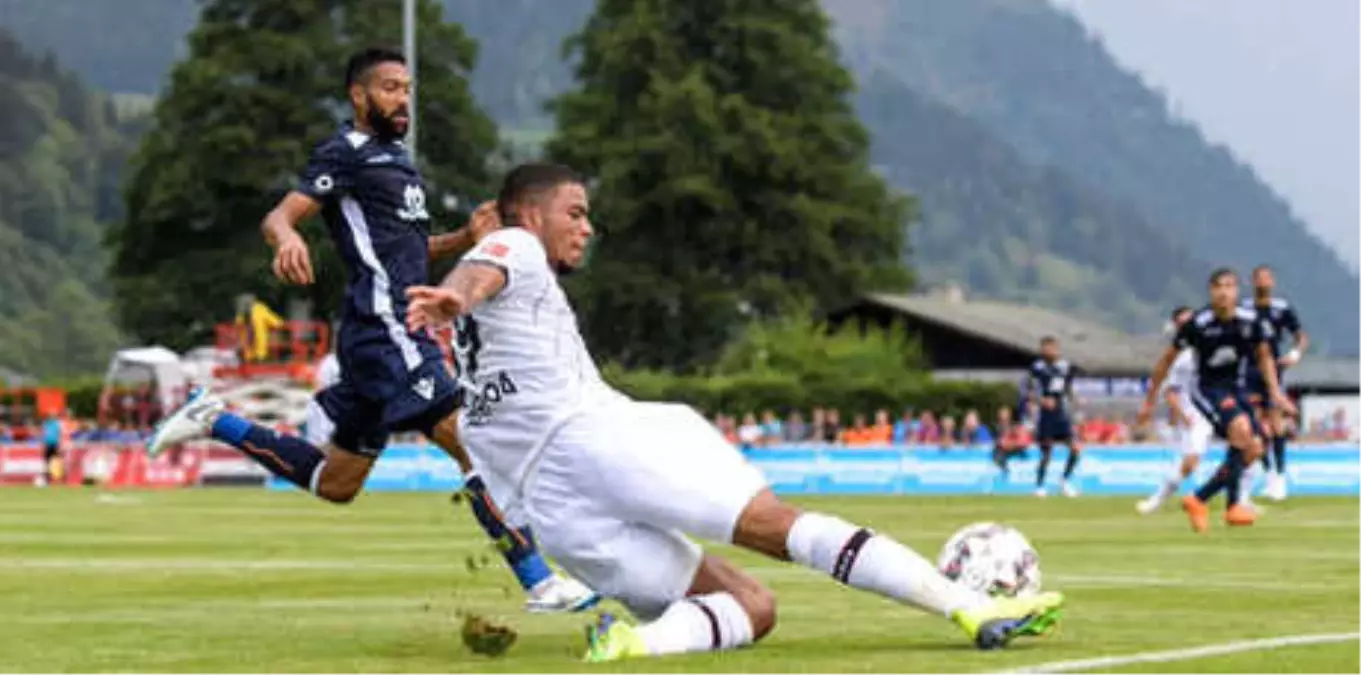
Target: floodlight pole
x,y
409,50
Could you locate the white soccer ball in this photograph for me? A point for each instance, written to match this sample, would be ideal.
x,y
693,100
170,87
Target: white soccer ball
x,y
992,559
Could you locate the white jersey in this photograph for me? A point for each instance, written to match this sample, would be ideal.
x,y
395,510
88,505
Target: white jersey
x,y
521,359
1182,376
328,372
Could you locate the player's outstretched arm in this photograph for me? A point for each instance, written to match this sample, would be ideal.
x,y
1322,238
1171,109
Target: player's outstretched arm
x,y
466,287
1155,383
292,261
482,222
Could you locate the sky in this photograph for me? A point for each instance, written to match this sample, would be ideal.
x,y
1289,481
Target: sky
x,y
1277,81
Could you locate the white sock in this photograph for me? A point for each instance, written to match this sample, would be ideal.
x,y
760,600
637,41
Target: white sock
x,y
698,624
1246,480
861,559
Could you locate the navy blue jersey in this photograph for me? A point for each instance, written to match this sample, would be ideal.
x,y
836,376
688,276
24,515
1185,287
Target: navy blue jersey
x,y
373,202
1223,347
1281,315
1052,381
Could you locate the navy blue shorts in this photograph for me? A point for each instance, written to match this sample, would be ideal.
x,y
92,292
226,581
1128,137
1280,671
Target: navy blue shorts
x,y
378,393
1053,425
1221,406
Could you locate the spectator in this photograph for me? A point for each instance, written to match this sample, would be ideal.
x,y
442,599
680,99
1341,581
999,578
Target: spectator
x,y
749,434
5,435
882,431
796,430
948,433
831,426
860,434
772,429
53,434
1338,429
1012,440
974,432
816,425
906,428
928,431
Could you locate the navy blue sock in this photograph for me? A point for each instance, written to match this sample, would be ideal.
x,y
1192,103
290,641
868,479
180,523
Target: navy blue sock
x,y
516,544
1217,482
1267,462
1234,466
1073,456
1278,451
1045,454
288,457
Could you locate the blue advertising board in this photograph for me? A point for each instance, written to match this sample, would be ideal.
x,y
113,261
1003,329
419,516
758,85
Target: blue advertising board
x,y
1333,469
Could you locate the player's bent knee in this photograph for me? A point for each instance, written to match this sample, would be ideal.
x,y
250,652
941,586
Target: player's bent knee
x,y
764,525
759,603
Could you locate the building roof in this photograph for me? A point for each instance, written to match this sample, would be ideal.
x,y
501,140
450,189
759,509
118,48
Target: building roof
x,y
1323,372
1089,346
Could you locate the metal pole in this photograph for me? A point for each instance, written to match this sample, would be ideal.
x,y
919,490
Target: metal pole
x,y
409,49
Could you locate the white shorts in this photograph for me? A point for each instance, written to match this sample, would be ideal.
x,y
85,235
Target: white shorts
x,y
318,427
1195,438
614,490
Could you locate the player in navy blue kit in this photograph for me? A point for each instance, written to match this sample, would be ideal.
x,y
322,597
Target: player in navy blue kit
x,y
1225,338
1281,315
369,192
1050,387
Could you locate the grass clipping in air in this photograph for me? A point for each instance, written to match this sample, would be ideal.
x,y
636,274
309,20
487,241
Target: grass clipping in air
x,y
486,637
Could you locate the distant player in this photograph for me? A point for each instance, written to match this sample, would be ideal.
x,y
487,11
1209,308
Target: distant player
x,y
611,484
1225,337
1193,429
372,198
1050,388
1281,314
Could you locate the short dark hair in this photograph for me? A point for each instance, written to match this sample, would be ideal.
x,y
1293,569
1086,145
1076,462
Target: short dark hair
x,y
1177,312
364,60
1048,340
1261,268
1220,273
528,182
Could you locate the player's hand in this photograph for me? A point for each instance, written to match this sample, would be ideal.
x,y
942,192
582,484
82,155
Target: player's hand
x,y
293,262
1284,403
484,221
1047,403
431,307
1288,360
1145,415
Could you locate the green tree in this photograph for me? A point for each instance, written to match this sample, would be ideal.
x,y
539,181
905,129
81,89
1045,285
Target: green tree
x,y
732,175
262,84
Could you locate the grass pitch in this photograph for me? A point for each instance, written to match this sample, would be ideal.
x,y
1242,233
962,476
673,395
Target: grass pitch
x,y
243,580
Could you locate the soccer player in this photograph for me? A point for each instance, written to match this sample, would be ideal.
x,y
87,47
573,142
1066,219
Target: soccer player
x,y
1281,315
1192,428
372,197
1225,337
1050,386
611,484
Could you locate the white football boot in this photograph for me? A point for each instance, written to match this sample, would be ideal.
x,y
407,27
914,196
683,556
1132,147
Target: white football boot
x,y
560,594
1068,490
191,422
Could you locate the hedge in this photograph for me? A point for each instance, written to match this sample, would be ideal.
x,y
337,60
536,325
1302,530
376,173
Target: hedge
x,y
783,393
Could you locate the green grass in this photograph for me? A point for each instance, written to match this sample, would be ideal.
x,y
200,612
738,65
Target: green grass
x,y
247,581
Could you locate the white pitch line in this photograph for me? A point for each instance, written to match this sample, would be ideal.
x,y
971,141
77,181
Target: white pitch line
x,y
1186,654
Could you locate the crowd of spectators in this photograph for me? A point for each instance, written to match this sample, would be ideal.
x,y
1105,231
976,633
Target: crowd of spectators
x,y
825,426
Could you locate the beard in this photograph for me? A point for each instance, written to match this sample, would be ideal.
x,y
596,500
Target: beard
x,y
385,126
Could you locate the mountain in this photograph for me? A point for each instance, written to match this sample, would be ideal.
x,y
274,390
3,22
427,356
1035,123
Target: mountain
x,y
1083,191
1011,230
62,149
1033,76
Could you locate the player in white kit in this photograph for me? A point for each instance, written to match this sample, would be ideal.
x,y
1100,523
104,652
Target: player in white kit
x,y
1192,429
611,484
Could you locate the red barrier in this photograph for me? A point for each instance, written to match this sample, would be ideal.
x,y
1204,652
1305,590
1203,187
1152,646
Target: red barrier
x,y
113,465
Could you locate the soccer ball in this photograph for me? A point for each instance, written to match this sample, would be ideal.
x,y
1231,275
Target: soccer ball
x,y
991,559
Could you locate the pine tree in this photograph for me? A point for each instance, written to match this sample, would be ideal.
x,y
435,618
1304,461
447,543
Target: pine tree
x,y
262,84
733,180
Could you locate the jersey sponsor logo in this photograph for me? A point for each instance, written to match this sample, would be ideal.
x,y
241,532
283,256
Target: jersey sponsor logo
x,y
379,159
414,196
481,400
425,388
1222,356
